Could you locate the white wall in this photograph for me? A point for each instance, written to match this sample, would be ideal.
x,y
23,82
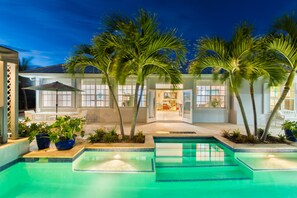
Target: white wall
x,y
262,103
12,151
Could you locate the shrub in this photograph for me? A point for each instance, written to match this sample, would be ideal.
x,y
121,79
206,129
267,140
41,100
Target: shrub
x,y
111,136
125,138
97,136
235,134
139,137
251,139
226,133
281,138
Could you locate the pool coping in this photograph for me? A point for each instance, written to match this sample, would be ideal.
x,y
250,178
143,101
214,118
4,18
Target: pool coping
x,y
149,145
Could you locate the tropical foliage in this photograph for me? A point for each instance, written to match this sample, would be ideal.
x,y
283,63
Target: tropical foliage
x,y
283,46
66,128
227,58
143,49
100,56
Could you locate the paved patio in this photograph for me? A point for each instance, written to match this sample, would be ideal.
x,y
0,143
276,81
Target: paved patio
x,y
199,128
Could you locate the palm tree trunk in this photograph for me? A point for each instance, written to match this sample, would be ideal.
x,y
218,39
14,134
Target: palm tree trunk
x,y
252,93
25,99
117,106
135,109
279,102
246,124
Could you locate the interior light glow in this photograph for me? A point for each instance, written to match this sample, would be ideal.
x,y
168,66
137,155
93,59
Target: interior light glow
x,y
117,156
270,156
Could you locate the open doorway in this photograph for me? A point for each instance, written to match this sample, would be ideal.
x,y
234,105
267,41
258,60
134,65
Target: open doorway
x,y
169,105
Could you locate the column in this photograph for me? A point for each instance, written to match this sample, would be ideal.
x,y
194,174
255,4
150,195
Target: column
x,y
14,108
3,102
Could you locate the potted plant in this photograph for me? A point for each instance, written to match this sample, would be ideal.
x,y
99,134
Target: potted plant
x,y
41,132
24,128
64,130
290,128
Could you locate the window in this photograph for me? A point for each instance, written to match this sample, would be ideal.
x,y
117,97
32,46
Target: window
x,y
288,103
64,97
95,94
210,94
126,94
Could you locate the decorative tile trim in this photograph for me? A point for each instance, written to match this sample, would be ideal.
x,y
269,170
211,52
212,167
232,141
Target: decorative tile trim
x,y
204,166
28,159
191,180
59,160
121,149
5,166
264,150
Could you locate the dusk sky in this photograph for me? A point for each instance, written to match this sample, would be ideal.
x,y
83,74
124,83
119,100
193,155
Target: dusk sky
x,y
48,30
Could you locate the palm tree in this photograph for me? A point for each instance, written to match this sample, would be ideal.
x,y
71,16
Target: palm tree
x,y
143,49
283,45
101,57
259,64
285,49
23,65
227,58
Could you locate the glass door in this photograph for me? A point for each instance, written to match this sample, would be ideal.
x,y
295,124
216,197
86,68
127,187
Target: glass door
x,y
187,106
151,105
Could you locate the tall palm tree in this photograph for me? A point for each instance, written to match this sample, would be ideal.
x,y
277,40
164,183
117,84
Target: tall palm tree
x,y
23,65
227,58
143,49
285,49
259,64
283,45
101,57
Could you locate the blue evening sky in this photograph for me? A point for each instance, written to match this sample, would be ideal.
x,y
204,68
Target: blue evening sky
x,y
48,30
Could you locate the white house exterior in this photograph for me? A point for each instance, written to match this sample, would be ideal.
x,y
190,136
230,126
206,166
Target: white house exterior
x,y
194,101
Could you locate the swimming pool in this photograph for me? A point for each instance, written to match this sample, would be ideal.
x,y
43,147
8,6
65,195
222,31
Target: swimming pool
x,y
181,170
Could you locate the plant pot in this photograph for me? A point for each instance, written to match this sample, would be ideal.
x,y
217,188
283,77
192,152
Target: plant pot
x,y
290,136
43,141
65,144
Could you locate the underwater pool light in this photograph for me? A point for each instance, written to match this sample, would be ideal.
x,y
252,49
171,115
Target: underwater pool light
x,y
117,156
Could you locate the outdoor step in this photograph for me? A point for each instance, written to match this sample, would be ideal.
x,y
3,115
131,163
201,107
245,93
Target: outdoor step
x,y
192,162
200,174
187,153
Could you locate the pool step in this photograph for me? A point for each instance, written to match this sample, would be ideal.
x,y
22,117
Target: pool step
x,y
193,162
200,174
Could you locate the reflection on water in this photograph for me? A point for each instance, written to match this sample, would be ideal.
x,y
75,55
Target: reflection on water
x,y
189,153
209,152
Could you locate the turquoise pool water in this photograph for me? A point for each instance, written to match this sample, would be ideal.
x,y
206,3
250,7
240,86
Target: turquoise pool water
x,y
183,168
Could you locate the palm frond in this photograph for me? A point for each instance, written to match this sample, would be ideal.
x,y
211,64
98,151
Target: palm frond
x,y
284,47
286,24
214,46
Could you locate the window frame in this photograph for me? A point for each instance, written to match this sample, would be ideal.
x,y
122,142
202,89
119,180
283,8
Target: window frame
x,y
288,97
214,89
97,82
130,85
44,94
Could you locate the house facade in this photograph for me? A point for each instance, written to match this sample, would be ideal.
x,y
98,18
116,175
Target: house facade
x,y
194,100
